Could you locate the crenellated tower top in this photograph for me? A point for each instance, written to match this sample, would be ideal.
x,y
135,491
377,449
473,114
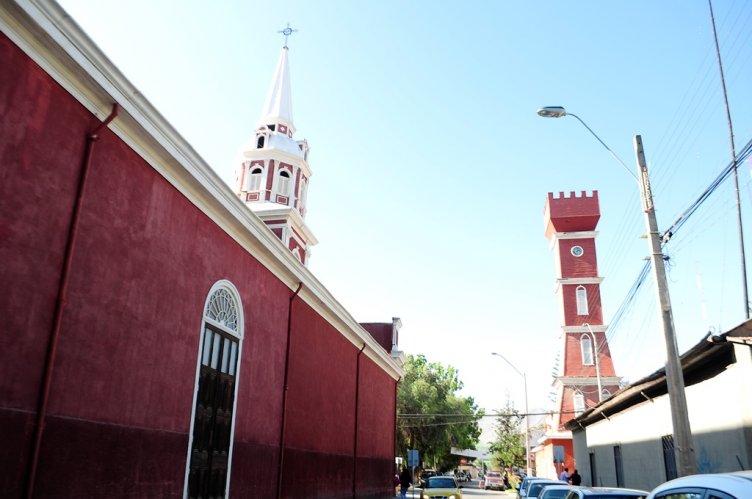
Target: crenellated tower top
x,y
571,213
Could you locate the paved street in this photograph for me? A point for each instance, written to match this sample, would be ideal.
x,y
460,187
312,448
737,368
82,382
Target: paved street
x,y
469,489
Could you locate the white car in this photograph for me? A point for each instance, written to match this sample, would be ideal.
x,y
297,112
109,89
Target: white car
x,y
736,485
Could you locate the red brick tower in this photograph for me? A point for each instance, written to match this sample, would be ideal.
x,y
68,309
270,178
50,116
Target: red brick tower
x,y
588,371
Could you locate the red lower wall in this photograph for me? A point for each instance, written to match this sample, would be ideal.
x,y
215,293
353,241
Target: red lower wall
x,y
124,374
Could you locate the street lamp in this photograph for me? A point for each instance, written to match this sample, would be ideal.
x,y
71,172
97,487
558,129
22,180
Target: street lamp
x,y
527,413
674,377
597,362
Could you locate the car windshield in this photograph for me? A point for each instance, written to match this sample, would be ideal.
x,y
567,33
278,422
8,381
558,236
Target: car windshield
x,y
535,488
554,494
494,475
441,483
617,496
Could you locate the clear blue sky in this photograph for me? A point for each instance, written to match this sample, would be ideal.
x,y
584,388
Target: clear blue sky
x,y
431,168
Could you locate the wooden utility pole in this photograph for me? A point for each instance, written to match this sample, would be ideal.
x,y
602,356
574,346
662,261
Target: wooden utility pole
x,y
685,456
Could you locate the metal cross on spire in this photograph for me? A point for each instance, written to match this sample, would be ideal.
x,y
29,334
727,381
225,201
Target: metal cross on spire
x,y
287,32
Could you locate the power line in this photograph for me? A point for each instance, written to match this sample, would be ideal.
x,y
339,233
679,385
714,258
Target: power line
x,y
667,235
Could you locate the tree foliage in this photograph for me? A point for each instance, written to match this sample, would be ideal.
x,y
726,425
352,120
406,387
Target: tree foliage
x,y
509,447
431,416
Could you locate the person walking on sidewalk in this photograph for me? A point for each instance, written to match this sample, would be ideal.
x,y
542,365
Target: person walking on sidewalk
x,y
405,481
575,479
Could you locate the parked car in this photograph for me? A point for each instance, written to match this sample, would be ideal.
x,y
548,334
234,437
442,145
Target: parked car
x,y
441,486
605,493
494,480
426,475
536,486
525,483
736,485
558,491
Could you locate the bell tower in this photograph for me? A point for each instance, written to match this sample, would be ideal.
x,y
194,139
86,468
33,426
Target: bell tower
x,y
588,373
272,173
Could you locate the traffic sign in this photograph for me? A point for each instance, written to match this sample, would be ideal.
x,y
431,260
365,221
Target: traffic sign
x,y
412,457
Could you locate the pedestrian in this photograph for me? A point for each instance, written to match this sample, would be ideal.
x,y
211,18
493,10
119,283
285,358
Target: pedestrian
x,y
405,481
575,479
564,475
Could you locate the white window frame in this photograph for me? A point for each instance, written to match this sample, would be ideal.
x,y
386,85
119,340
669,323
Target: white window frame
x,y
234,329
582,300
586,347
254,179
283,183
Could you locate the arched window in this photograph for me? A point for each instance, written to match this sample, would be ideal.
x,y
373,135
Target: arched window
x,y
260,142
605,394
586,346
582,304
283,182
213,419
578,401
254,180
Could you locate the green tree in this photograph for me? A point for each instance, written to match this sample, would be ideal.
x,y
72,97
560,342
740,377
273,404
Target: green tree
x,y
431,416
509,447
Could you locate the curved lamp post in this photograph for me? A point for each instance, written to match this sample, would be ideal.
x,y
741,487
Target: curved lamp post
x,y
685,458
527,413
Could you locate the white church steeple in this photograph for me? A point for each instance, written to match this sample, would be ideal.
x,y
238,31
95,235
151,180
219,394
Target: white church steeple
x,y
273,172
278,105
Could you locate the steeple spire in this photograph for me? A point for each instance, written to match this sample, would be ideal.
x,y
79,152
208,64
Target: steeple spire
x,y
278,105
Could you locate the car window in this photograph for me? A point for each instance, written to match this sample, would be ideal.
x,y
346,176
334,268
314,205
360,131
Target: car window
x,y
618,496
441,483
536,487
696,494
553,494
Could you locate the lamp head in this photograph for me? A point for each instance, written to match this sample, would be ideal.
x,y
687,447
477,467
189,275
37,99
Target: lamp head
x,y
552,112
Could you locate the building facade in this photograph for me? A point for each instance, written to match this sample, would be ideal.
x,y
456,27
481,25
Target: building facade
x,y
627,440
161,340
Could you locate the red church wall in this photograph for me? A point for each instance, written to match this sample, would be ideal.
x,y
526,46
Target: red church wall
x,y
37,181
124,374
375,415
381,332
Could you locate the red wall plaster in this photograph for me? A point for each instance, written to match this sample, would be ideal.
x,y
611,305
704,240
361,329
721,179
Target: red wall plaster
x,y
145,259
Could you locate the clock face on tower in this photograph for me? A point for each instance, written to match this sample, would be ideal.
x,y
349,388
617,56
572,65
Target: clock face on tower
x,y
577,251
